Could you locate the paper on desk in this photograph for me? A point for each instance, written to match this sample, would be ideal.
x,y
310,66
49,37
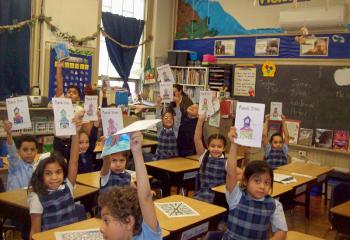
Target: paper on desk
x,y
283,178
139,125
93,234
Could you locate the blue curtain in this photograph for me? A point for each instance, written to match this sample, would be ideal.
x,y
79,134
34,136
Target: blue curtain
x,y
127,31
14,49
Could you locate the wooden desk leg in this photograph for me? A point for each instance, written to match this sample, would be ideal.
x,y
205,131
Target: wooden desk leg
x,y
326,191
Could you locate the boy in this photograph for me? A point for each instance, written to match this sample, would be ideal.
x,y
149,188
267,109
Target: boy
x,y
128,213
21,161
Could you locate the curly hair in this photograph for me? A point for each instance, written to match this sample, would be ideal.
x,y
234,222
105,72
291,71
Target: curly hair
x,y
122,202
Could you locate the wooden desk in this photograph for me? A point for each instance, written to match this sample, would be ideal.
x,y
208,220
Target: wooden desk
x,y
208,218
92,179
173,172
82,225
145,143
196,157
342,209
292,235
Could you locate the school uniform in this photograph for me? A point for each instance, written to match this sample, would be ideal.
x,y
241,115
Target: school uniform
x,y
251,218
167,146
147,233
276,157
19,171
213,175
86,160
114,179
57,208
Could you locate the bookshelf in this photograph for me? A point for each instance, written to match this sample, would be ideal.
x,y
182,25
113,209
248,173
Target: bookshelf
x,y
219,76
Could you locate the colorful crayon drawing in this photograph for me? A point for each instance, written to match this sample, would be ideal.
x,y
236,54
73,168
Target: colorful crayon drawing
x,y
246,130
111,127
64,122
17,119
205,105
90,111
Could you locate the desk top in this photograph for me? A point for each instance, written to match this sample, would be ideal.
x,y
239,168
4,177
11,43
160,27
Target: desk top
x,y
307,169
175,165
205,210
86,224
300,179
18,198
145,143
278,189
196,157
342,209
292,235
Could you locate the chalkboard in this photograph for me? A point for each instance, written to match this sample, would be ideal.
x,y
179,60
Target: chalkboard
x,y
308,93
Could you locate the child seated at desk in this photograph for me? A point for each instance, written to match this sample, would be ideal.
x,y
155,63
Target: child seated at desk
x,y
51,201
21,160
128,213
276,149
252,211
212,161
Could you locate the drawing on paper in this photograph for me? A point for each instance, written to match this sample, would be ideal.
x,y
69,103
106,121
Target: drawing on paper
x,y
17,119
111,127
90,110
176,209
64,122
246,130
90,234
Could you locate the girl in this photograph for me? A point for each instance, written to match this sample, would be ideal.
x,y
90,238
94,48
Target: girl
x,y
51,201
251,209
128,213
276,150
212,162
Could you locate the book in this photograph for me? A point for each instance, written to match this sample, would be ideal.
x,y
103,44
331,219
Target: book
x,y
226,108
62,52
340,140
305,136
324,138
293,127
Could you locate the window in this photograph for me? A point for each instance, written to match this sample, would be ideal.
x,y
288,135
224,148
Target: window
x,y
127,8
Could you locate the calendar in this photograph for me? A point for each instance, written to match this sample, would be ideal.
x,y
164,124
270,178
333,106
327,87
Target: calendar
x,y
176,209
89,234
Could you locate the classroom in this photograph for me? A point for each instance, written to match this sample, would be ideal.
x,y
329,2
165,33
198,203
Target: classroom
x,y
174,119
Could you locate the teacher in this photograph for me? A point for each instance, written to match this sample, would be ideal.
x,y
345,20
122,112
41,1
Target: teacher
x,y
188,121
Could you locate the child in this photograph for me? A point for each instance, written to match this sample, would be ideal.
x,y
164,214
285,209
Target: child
x,y
212,162
21,161
167,147
276,150
128,213
113,171
251,209
51,201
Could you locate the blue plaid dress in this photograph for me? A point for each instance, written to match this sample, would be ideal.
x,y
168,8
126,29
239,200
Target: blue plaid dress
x,y
116,179
167,147
250,219
213,175
58,209
276,158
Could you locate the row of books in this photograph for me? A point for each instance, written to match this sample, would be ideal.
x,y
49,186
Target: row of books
x,y
196,77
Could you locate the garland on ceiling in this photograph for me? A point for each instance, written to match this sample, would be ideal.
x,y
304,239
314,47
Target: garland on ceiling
x,y
65,36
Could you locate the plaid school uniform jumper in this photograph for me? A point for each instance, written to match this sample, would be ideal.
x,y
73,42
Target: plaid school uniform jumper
x,y
58,209
251,219
116,179
213,175
167,147
276,158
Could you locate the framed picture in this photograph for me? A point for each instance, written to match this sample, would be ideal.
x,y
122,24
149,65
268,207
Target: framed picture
x,y
317,46
225,47
293,127
267,47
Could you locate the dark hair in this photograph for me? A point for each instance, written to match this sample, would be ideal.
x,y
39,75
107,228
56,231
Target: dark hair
x,y
168,110
206,156
275,135
180,88
37,180
122,202
83,131
26,138
256,167
76,88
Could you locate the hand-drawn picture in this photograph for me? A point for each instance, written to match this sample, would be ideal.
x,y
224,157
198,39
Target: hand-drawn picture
x,y
225,47
90,110
165,74
176,209
63,115
111,127
89,234
205,105
112,120
18,112
17,119
315,47
116,143
246,130
64,122
166,91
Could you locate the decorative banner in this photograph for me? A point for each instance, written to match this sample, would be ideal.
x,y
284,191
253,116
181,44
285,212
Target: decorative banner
x,y
268,69
63,114
244,81
18,112
112,120
275,2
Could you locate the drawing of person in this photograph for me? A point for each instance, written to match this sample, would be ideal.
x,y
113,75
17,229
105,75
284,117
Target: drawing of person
x,y
205,105
17,119
111,128
275,113
64,122
166,77
90,111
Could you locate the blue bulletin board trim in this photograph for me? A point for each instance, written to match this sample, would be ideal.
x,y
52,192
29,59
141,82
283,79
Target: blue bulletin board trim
x,y
289,48
78,74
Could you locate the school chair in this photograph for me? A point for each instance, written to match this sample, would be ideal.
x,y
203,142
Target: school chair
x,y
340,194
214,235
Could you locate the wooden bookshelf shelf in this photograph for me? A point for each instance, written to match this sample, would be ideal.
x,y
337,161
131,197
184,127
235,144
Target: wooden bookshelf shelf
x,y
313,148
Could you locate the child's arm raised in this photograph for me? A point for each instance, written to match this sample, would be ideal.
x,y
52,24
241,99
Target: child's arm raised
x,y
285,130
35,220
231,176
8,129
59,79
198,143
143,188
74,152
265,139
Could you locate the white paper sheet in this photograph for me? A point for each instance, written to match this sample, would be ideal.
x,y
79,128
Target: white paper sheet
x,y
166,91
112,120
249,123
276,111
63,115
206,103
18,112
165,74
176,209
90,107
88,234
139,125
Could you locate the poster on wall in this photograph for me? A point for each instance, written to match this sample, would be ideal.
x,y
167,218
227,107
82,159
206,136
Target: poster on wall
x,y
244,81
225,47
315,47
267,47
